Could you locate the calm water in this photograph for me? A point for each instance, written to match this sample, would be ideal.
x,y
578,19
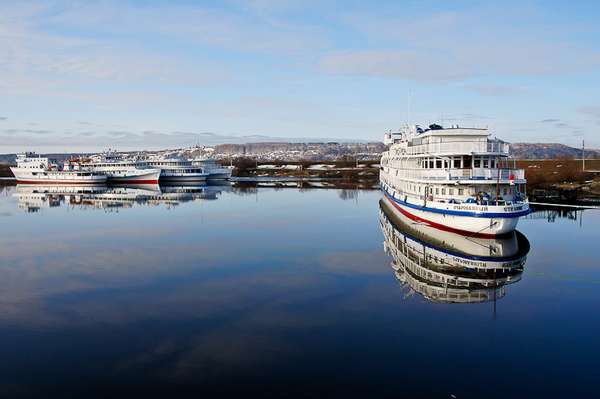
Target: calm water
x,y
280,292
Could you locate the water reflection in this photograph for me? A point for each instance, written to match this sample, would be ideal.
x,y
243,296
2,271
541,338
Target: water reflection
x,y
551,214
33,198
449,268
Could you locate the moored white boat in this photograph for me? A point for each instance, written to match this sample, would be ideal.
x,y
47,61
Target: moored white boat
x,y
176,170
119,170
33,169
213,169
455,179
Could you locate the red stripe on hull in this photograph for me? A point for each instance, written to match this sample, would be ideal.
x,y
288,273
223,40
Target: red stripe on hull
x,y
438,225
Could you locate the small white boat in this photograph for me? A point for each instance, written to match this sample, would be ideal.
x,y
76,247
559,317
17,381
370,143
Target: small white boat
x,y
176,170
33,169
213,169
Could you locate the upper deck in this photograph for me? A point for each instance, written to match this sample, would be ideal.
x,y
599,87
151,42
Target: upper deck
x,y
414,141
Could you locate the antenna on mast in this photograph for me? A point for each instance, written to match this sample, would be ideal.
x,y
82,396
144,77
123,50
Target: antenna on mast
x,y
408,107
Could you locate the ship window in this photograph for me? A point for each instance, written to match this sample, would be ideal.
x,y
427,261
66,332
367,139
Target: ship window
x,y
438,163
446,164
431,164
461,191
477,163
492,163
437,191
451,191
443,191
457,163
485,162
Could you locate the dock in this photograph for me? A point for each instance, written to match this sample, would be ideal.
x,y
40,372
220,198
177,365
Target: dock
x,y
565,205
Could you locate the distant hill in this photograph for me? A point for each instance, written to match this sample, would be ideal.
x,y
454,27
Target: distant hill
x,y
294,151
549,151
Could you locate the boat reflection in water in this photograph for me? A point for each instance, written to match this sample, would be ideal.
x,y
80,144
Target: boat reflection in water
x,y
446,267
33,198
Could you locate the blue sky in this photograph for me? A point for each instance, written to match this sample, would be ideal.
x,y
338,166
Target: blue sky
x,y
149,74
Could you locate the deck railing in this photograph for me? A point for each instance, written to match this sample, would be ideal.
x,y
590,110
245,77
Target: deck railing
x,y
459,147
459,174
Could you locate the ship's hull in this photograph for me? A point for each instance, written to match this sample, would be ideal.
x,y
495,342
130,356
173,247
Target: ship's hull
x,y
56,178
191,178
138,177
478,225
219,176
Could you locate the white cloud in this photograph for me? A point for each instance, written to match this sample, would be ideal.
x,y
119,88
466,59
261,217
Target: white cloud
x,y
444,46
412,65
34,61
593,111
494,90
201,24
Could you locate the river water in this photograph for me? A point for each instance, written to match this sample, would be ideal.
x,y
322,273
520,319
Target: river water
x,y
287,292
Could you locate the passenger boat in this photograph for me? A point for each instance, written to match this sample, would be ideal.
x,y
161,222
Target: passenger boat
x,y
120,170
446,267
213,169
455,179
34,169
176,170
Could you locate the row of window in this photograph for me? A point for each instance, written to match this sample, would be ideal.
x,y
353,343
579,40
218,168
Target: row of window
x,y
419,189
451,162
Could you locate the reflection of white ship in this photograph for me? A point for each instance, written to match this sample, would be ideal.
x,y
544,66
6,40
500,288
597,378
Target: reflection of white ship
x,y
32,198
33,169
448,267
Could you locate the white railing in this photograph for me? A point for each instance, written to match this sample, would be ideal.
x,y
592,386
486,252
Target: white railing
x,y
459,147
458,174
505,174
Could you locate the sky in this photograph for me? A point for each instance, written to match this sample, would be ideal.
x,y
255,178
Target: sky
x,y
87,76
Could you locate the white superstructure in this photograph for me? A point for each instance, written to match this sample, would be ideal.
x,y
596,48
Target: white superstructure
x,y
176,170
455,179
34,169
121,170
213,169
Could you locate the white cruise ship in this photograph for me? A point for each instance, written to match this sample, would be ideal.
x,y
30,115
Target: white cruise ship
x,y
456,179
34,169
120,170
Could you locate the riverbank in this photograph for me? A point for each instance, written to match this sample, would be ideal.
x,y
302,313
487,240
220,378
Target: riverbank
x,y
5,171
341,169
562,180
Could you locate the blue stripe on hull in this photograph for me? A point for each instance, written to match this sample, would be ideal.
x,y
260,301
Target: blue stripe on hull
x,y
458,213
